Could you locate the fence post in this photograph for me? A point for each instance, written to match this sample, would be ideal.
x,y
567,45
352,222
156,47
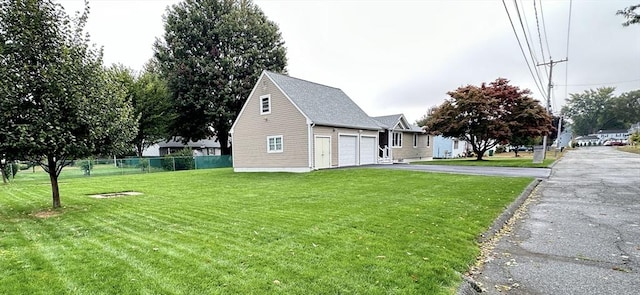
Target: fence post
x,y
173,159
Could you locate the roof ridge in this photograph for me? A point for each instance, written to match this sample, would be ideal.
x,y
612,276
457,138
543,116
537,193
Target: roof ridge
x,y
303,80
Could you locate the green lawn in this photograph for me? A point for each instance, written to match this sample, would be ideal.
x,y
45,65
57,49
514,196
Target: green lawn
x,y
349,231
500,160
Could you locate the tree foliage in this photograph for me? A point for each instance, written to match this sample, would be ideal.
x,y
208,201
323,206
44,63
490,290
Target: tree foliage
x,y
600,109
149,97
212,53
630,15
489,114
57,101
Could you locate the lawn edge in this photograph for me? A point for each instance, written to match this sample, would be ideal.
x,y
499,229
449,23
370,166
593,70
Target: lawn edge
x,y
468,285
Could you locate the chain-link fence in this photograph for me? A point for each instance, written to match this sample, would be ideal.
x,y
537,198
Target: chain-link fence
x,y
95,167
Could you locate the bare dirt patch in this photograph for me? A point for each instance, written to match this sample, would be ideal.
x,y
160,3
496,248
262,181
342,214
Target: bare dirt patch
x,y
115,195
46,214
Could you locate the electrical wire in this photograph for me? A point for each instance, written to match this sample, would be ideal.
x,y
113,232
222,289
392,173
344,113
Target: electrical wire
x,y
535,10
515,32
566,66
601,83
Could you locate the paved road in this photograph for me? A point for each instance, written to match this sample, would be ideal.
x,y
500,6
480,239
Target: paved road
x,y
474,170
580,234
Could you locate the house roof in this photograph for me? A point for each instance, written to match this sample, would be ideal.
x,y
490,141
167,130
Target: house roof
x,y
323,105
612,131
391,121
207,143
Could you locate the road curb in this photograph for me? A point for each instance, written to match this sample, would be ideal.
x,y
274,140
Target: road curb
x,y
469,286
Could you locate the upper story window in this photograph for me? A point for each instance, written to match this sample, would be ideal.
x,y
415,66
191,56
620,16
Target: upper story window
x,y
415,140
397,139
274,144
265,104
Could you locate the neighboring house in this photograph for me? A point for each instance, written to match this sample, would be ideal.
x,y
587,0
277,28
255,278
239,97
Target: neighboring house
x,y
204,147
293,125
400,141
613,135
588,140
447,147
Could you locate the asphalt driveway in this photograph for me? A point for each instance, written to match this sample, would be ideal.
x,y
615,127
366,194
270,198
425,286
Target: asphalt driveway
x,y
580,233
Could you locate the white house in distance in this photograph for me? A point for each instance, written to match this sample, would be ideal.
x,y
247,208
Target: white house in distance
x,y
293,125
203,147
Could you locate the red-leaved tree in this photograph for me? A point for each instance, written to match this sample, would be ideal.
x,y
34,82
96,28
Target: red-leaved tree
x,y
487,115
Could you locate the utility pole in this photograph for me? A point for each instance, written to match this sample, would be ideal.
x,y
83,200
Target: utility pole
x,y
549,86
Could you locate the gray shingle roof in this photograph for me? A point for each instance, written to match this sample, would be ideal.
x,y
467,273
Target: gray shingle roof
x,y
390,121
323,105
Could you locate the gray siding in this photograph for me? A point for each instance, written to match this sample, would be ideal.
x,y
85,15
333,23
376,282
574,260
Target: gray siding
x,y
252,128
408,152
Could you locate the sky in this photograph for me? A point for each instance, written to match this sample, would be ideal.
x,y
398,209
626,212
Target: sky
x,y
395,56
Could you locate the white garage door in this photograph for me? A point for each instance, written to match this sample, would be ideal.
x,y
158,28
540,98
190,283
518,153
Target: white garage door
x,y
347,150
367,150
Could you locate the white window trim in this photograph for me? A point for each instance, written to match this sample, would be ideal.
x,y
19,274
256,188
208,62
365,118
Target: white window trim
x,y
393,137
269,138
268,97
416,137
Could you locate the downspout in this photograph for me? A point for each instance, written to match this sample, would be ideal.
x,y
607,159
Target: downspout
x,y
311,147
389,143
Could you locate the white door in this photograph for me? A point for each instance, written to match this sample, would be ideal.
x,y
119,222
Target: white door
x,y
322,152
367,150
347,150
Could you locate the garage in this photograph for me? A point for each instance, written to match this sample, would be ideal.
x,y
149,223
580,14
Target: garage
x,y
347,150
367,150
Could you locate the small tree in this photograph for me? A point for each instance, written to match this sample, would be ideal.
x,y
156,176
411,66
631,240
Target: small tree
x,y
57,101
488,115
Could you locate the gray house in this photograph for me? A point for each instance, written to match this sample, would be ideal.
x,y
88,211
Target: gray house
x,y
400,141
293,125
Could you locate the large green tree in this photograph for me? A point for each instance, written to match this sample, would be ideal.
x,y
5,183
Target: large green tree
x,y
211,55
600,109
490,114
57,102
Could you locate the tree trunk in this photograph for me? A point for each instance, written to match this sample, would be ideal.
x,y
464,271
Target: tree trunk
x,y
139,149
53,176
223,139
515,151
4,177
479,156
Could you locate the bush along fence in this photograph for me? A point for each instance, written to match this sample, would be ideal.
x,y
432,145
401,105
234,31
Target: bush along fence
x,y
134,165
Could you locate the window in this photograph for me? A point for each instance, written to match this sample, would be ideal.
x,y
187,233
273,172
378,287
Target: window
x,y
428,140
415,140
455,144
265,104
274,144
397,139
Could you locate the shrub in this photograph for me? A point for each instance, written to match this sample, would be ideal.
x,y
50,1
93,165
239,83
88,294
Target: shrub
x,y
85,166
10,170
181,160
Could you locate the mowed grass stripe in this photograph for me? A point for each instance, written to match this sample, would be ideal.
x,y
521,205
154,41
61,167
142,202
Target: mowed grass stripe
x,y
360,231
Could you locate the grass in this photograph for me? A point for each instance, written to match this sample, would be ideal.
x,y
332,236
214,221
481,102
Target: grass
x,y
630,149
525,160
354,231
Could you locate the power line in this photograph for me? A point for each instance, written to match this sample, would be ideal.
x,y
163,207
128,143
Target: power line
x,y
566,66
544,27
537,81
602,83
535,10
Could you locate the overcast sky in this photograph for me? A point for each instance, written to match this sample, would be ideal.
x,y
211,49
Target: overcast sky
x,y
403,56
